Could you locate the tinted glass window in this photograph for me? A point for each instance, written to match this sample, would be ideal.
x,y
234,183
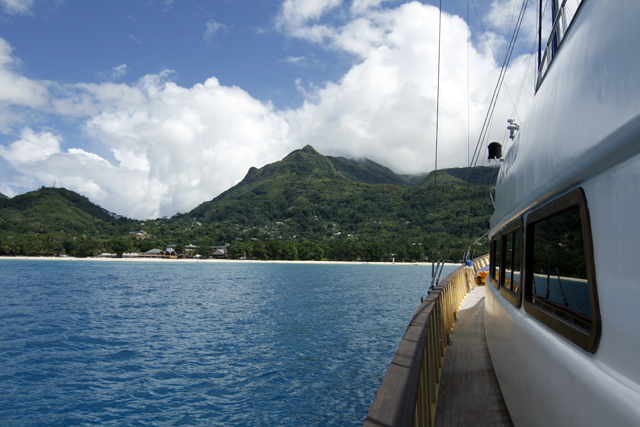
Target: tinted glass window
x,y
513,261
559,268
495,261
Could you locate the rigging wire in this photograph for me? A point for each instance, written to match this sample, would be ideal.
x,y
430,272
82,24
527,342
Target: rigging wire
x,y
524,76
495,58
468,87
485,127
489,116
468,115
505,138
540,12
500,80
435,171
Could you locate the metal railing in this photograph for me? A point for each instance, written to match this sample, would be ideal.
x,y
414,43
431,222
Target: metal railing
x,y
409,391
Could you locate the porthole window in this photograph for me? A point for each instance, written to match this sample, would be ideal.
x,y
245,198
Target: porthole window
x,y
561,288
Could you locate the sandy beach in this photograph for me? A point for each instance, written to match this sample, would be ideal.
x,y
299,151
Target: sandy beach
x,y
192,260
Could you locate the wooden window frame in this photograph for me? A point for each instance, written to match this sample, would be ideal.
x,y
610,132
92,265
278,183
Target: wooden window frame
x,y
513,297
587,340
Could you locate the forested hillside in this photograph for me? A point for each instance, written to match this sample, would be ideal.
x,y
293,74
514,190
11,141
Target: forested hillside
x,y
306,206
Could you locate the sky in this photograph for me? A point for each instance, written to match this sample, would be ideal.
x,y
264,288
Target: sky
x,y
151,107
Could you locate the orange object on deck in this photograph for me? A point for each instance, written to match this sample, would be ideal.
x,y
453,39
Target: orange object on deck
x,y
482,276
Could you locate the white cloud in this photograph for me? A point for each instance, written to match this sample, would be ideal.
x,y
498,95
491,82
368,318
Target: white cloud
x,y
303,61
360,6
212,29
503,15
119,71
32,147
7,190
294,59
135,39
16,91
17,7
384,108
175,147
301,18
115,72
295,13
14,88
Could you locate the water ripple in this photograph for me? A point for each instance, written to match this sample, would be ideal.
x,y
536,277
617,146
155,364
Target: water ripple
x,y
143,344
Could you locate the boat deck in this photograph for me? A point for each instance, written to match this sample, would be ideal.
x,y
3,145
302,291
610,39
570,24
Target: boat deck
x,y
469,392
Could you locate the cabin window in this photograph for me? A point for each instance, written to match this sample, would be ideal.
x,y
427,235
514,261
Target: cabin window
x,y
512,244
561,288
512,262
559,269
495,261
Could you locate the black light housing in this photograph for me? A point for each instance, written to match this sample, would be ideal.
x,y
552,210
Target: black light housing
x,y
495,151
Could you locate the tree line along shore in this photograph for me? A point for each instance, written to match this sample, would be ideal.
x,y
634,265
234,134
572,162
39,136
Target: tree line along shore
x,y
306,206
336,250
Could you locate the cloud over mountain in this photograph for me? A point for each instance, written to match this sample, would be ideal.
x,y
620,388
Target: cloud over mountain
x,y
172,147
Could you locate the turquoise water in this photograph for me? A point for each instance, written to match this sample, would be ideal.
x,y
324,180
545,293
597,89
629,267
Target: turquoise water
x,y
139,343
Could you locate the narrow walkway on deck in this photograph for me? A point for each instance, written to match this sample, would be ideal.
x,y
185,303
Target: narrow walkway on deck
x,y
469,393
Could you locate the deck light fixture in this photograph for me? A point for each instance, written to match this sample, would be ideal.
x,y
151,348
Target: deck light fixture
x,y
495,151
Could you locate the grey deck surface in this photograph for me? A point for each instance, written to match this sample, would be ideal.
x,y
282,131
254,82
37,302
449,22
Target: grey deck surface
x,y
469,393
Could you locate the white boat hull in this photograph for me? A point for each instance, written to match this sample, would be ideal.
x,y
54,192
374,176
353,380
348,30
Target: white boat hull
x,y
583,132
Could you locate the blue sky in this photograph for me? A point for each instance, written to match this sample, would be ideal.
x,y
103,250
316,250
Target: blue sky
x,y
233,40
152,107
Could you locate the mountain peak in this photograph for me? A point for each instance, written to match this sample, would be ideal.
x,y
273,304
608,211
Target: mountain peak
x,y
302,155
309,149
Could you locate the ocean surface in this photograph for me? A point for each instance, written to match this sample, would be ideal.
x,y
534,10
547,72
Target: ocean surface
x,y
211,344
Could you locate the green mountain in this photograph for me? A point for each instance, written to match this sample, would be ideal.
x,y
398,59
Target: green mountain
x,y
305,206
57,210
51,221
308,196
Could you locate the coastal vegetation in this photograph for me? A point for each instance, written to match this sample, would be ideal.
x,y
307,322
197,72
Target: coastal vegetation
x,y
305,207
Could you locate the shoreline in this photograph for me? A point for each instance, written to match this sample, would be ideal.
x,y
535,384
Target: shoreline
x,y
191,260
